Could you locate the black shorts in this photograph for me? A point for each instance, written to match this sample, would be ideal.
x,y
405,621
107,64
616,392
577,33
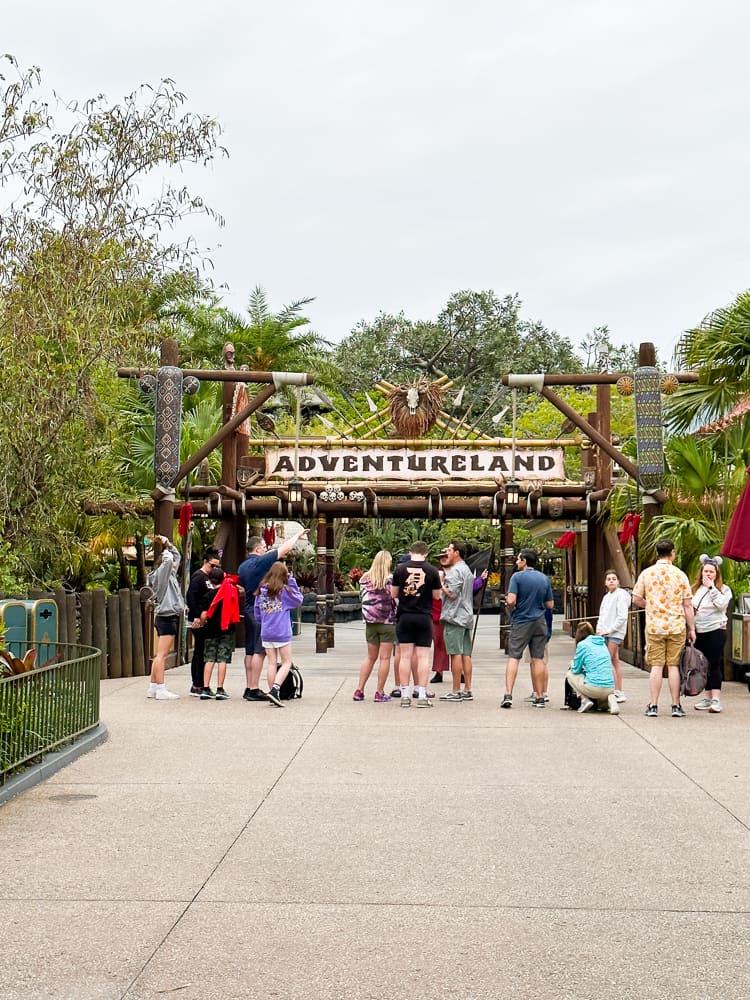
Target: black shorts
x,y
414,629
167,624
253,643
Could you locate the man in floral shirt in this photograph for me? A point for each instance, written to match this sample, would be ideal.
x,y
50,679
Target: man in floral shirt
x,y
664,591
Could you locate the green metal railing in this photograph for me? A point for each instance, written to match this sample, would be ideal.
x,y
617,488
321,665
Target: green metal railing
x,y
51,705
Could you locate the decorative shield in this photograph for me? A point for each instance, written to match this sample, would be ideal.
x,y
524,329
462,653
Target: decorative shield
x,y
415,407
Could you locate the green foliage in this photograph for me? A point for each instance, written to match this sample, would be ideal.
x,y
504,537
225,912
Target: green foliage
x,y
85,271
601,354
365,538
719,349
11,571
703,485
476,339
263,340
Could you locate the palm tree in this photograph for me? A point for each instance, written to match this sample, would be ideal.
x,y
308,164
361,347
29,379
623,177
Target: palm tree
x,y
719,348
263,340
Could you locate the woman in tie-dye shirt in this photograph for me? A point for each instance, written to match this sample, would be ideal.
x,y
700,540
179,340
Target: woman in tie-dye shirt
x,y
379,613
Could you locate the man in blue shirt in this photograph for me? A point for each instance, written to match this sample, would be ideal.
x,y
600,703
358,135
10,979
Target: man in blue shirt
x,y
529,593
259,560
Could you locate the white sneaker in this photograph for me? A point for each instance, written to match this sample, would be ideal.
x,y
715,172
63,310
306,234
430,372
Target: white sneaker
x,y
620,697
151,693
703,705
614,708
715,706
163,695
586,705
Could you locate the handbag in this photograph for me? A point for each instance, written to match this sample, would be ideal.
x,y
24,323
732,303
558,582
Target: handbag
x,y
693,671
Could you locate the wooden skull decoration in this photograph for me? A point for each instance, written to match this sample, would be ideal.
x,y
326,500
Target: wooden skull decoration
x,y
415,407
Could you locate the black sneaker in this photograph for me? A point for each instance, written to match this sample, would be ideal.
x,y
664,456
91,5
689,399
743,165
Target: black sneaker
x,y
195,691
437,678
254,694
246,694
221,694
274,695
507,701
539,702
651,711
396,693
207,694
678,712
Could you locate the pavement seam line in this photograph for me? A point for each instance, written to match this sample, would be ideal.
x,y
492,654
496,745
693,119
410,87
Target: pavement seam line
x,y
251,817
689,777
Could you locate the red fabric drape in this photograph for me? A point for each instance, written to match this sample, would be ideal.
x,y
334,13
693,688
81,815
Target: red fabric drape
x,y
566,541
736,543
186,514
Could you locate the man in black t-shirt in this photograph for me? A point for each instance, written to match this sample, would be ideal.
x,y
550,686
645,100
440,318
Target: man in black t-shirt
x,y
415,585
196,593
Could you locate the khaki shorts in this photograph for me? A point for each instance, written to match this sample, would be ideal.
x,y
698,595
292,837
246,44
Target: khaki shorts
x,y
664,650
377,633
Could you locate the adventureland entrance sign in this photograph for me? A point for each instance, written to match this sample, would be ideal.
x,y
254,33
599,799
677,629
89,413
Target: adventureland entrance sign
x,y
404,463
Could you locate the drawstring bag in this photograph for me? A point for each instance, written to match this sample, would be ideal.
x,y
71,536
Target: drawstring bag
x,y
693,671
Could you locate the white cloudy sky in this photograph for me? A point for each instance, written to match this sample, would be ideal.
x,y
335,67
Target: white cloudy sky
x,y
590,155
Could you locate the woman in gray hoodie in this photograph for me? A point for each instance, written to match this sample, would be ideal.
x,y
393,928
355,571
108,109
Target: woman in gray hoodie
x,y
169,606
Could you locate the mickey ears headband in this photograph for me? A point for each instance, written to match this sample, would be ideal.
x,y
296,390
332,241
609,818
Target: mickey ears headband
x,y
711,560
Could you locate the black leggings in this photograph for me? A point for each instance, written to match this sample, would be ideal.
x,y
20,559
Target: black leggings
x,y
711,644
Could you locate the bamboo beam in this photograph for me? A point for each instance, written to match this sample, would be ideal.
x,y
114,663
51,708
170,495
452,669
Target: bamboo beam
x,y
221,375
416,444
596,378
412,506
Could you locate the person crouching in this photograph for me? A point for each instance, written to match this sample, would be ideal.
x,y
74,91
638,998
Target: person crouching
x,y
591,674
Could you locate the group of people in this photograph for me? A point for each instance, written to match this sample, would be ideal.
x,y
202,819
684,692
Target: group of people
x,y
675,613
410,610
212,604
415,606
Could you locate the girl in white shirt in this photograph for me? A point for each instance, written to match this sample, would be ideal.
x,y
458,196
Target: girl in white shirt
x,y
711,597
613,623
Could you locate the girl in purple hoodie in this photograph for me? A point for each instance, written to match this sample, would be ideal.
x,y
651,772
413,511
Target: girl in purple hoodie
x,y
277,595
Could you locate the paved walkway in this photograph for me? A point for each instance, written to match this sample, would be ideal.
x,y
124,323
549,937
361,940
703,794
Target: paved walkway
x,y
340,850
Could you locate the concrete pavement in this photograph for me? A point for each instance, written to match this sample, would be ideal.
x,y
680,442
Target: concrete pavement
x,y
332,849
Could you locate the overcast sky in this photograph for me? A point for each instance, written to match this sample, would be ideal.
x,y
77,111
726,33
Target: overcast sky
x,y
589,155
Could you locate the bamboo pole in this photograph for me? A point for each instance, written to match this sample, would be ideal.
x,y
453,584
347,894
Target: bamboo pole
x,y
113,634
419,444
136,642
220,375
99,626
126,633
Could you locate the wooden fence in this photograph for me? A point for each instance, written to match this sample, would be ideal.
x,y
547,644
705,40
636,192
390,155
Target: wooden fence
x,y
120,625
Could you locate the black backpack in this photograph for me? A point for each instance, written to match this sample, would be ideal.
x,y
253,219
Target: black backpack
x,y
293,685
572,697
